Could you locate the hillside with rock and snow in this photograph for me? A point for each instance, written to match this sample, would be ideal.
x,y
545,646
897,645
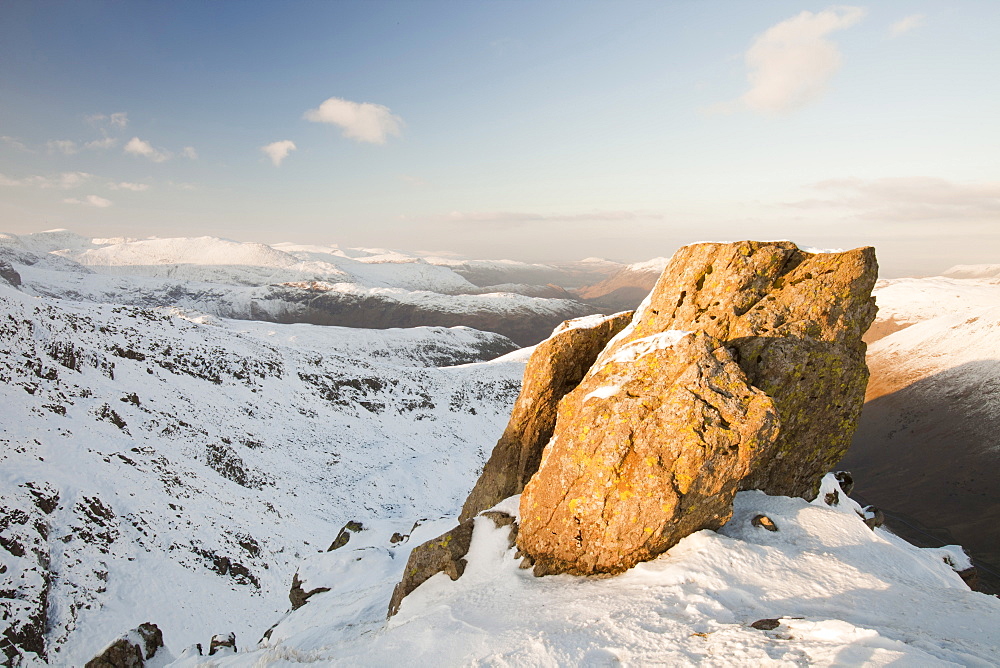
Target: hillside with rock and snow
x,y
167,466
291,283
780,580
931,416
823,589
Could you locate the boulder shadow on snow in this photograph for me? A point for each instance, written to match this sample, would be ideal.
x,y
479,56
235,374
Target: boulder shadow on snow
x,y
929,456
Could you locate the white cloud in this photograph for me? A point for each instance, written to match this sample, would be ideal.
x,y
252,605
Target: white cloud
x,y
909,199
906,24
65,146
365,122
64,181
125,185
14,143
277,151
136,146
190,153
791,63
90,200
101,144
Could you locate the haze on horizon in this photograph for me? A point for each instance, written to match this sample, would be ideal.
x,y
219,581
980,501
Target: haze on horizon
x,y
532,131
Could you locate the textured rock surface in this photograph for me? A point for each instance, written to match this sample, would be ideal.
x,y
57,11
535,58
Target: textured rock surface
x,y
649,448
444,554
796,320
131,650
556,366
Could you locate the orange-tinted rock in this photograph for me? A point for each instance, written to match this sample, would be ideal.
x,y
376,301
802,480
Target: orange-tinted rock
x,y
649,448
796,320
556,366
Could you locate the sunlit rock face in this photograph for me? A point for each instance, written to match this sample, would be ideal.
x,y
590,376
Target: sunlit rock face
x,y
648,449
795,320
557,365
667,425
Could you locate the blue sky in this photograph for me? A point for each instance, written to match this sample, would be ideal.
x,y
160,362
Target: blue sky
x,y
535,131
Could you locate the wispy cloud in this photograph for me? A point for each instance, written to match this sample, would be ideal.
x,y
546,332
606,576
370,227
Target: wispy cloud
x,y
64,146
125,185
791,63
907,24
101,144
90,200
136,146
363,122
64,181
189,153
514,218
277,151
15,143
908,199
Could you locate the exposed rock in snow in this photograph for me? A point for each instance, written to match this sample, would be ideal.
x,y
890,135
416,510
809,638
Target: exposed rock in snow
x,y
625,477
796,320
132,650
556,366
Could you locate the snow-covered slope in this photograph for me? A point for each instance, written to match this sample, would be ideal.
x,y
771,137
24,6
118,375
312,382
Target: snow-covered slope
x,y
927,445
627,288
839,594
165,466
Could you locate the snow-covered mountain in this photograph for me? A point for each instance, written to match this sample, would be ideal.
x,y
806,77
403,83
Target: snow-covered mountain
x,y
167,466
927,445
627,287
322,285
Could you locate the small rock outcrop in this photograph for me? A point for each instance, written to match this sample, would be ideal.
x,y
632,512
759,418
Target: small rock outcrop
x,y
132,650
298,596
345,535
649,448
8,274
444,554
795,320
222,643
557,365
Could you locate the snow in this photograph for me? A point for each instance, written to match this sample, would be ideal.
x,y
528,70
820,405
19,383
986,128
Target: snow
x,y
603,392
586,322
841,594
248,442
973,271
657,264
648,344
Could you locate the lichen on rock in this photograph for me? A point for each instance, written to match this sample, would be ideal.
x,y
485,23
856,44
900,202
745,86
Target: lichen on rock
x,y
556,366
649,448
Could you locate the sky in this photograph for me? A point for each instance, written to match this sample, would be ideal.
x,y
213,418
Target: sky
x,y
536,131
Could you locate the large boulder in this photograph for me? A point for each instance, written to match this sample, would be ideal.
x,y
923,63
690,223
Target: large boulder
x,y
649,448
795,320
556,366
